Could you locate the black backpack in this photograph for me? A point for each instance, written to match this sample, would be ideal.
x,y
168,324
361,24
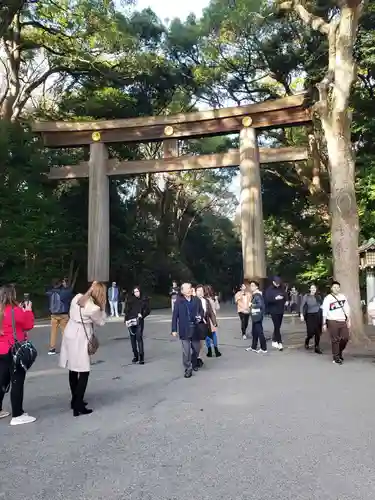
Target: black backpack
x,y
23,352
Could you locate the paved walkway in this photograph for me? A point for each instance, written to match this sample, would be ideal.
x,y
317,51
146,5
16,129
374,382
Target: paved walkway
x,y
287,425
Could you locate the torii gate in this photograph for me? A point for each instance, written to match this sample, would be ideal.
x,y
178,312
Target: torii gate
x,y
244,120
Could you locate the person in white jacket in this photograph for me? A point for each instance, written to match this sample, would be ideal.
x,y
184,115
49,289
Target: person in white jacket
x,y
85,311
336,318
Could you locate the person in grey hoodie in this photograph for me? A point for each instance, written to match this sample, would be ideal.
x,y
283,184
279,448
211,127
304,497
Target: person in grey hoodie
x,y
257,311
311,313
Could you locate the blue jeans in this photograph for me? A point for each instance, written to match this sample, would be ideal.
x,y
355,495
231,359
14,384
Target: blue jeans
x,y
213,340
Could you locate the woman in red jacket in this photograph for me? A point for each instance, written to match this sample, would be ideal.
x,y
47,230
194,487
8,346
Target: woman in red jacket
x,y
24,321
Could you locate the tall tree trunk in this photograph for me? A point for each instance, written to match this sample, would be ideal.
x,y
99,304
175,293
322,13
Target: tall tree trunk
x,y
344,221
333,110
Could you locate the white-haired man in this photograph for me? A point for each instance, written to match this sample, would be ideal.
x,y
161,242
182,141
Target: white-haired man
x,y
187,314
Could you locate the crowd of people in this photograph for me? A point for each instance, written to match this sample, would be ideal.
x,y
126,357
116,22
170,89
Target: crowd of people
x,y
332,314
194,320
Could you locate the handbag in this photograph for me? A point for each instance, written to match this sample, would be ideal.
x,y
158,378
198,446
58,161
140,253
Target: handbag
x,y
23,352
92,341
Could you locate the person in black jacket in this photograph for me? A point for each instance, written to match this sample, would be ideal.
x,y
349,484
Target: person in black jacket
x,y
137,309
275,299
187,315
257,314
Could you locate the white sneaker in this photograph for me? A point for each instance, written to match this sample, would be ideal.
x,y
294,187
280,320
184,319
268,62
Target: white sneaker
x,y
262,352
244,337
23,419
275,345
280,346
250,349
4,414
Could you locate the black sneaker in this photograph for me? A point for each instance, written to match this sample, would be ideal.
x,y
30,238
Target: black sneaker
x,y
135,360
318,350
307,347
52,352
341,357
337,361
188,374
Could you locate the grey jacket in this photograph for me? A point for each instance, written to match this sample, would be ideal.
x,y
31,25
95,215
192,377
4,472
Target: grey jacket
x,y
311,304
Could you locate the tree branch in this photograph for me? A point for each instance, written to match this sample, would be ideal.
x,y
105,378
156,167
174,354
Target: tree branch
x,y
37,24
315,22
8,9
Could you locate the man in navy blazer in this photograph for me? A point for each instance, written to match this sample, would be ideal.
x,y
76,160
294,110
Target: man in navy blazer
x,y
187,314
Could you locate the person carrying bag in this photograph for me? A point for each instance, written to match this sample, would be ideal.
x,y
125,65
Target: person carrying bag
x,y
79,342
17,353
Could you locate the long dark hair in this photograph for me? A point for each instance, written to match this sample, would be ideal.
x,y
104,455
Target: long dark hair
x,y
209,292
7,298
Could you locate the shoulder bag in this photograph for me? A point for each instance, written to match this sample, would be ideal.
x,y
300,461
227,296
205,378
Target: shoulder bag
x,y
342,307
93,342
23,352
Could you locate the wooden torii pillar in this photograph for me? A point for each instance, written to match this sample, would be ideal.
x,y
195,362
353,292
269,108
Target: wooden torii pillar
x,y
98,260
252,227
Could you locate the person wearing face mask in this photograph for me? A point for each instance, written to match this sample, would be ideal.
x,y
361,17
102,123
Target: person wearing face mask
x,y
276,298
311,313
336,318
137,309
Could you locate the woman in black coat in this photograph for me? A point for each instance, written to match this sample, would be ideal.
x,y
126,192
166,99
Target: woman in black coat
x,y
136,310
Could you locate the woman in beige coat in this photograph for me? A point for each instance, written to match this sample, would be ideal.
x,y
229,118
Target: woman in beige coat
x,y
85,311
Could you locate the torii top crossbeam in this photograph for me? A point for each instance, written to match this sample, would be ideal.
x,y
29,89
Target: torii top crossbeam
x,y
287,111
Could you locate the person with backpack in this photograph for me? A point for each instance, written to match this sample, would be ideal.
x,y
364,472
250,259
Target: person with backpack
x,y
60,297
15,322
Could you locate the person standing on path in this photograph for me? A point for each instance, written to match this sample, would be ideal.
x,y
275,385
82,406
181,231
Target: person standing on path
x,y
187,314
85,311
60,296
174,294
294,300
209,322
212,334
113,298
243,301
122,299
336,318
311,313
14,320
257,315
275,299
137,309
